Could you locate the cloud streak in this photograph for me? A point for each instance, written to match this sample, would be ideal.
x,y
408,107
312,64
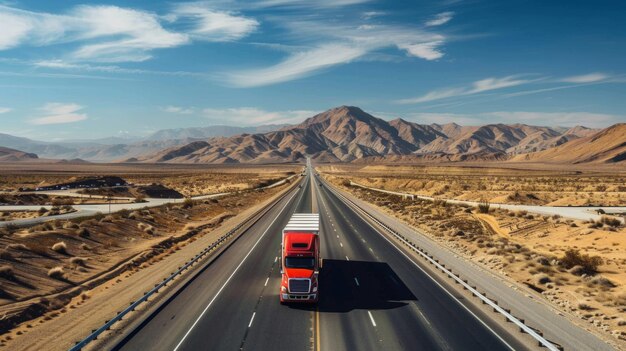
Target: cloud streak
x,y
60,113
179,110
553,119
5,110
440,19
255,116
586,78
478,86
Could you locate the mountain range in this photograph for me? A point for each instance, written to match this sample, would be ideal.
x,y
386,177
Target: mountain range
x,y
349,134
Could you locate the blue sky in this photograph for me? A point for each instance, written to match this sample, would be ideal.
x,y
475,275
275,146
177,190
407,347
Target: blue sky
x,y
75,69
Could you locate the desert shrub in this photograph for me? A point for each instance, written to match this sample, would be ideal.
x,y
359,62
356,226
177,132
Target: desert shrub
x,y
78,261
56,273
70,225
6,255
42,211
441,203
7,272
108,219
483,207
21,247
188,203
345,182
610,221
60,247
83,232
588,264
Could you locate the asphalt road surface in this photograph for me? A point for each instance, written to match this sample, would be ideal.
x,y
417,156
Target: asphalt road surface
x,y
372,297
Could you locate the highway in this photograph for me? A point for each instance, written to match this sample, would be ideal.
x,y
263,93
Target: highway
x,y
372,296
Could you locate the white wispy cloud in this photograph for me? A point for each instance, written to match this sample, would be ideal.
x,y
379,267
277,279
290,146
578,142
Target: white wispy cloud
x,y
106,33
336,44
255,116
553,119
179,110
440,19
297,65
371,14
58,113
309,3
427,51
5,110
65,65
212,25
587,119
478,86
586,78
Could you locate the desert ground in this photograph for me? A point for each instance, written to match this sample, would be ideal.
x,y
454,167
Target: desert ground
x,y
51,269
578,266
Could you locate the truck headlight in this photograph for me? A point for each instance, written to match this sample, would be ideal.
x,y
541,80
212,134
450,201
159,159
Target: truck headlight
x,y
283,289
315,289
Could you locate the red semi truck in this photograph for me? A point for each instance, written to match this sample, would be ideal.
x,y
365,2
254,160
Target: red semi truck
x,y
300,259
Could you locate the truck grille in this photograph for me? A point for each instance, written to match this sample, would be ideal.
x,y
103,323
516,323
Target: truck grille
x,y
299,285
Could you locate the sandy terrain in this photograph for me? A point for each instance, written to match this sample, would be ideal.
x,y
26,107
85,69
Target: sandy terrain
x,y
529,250
189,180
496,185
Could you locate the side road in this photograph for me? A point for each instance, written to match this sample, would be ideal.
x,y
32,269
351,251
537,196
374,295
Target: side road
x,y
89,210
574,212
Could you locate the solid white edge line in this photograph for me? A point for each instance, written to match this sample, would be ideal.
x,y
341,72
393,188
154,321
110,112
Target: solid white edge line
x,y
232,274
347,259
372,318
251,319
266,280
357,282
436,282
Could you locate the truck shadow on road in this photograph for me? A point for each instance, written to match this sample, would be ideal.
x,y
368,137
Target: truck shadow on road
x,y
376,287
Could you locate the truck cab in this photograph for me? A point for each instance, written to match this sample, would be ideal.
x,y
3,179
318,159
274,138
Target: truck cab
x,y
300,259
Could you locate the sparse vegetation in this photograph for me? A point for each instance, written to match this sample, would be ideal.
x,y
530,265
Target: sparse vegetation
x,y
483,207
60,247
56,273
588,264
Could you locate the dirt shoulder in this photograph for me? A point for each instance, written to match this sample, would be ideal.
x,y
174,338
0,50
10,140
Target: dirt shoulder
x,y
127,254
589,283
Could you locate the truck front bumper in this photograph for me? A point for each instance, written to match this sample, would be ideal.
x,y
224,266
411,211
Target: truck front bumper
x,y
298,297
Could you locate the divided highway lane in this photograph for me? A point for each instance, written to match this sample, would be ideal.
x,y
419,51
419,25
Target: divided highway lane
x,y
223,306
374,298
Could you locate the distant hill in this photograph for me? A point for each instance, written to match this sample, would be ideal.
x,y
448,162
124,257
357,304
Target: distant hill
x,y
210,132
12,155
115,148
347,134
605,146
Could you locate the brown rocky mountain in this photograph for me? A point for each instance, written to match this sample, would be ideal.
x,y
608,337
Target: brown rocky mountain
x,y
346,134
605,146
12,155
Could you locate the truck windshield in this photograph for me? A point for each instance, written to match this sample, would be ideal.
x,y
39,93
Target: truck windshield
x,y
300,262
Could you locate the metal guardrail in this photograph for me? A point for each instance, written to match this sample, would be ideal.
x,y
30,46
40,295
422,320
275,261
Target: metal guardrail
x,y
95,333
519,323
